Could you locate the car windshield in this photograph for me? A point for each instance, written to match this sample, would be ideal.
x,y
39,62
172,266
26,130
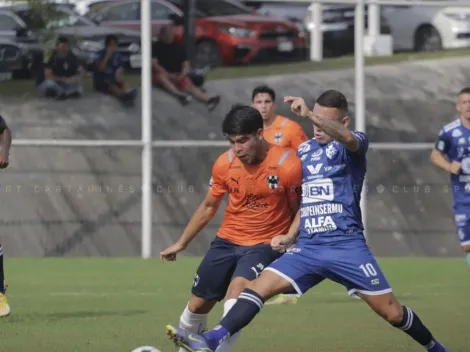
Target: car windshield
x,y
58,19
210,8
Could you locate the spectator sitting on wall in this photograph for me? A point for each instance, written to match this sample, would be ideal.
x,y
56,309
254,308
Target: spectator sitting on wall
x,y
63,73
170,70
108,76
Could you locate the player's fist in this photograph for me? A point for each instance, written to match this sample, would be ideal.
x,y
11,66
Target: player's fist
x,y
281,243
3,161
297,105
454,167
170,253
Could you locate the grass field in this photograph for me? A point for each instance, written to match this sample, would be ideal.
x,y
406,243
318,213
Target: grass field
x,y
106,305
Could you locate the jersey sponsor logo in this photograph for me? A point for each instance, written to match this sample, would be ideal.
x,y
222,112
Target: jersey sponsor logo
x,y
466,165
321,209
314,169
303,157
316,155
273,181
456,133
304,147
441,145
335,168
331,151
254,201
461,140
319,224
318,191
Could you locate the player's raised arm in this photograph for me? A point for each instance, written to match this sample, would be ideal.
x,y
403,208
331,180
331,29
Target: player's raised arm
x,y
201,217
329,119
5,143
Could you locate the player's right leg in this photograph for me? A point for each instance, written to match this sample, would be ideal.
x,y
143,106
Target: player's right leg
x,y
209,285
4,307
463,229
357,269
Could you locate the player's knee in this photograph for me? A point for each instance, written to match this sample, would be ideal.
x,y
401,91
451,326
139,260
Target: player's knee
x,y
236,287
466,248
394,314
199,305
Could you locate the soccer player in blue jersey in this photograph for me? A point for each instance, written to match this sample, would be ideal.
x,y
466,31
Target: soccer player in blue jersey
x,y
452,153
5,143
329,231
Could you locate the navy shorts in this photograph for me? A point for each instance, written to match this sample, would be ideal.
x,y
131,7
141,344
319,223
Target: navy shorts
x,y
225,261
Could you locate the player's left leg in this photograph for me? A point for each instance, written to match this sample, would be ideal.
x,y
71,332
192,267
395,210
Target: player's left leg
x,y
4,307
358,270
251,261
463,230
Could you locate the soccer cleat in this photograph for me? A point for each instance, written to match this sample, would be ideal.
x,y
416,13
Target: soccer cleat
x,y
282,299
4,307
189,341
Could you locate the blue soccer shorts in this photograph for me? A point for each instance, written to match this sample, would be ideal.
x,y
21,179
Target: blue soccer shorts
x,y
352,265
462,221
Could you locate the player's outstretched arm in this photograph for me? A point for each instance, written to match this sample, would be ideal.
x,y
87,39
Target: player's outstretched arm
x,y
334,129
201,217
5,143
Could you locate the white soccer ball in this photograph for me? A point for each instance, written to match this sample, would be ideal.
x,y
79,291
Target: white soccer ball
x,y
146,349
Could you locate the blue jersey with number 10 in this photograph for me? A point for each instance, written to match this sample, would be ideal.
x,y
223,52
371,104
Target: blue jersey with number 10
x,y
332,180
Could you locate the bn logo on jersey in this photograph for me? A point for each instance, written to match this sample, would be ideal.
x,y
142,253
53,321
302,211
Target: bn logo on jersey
x,y
318,191
273,182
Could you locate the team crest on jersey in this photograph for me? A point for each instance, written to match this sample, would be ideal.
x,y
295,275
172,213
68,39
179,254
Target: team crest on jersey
x,y
331,151
278,137
273,182
304,147
456,133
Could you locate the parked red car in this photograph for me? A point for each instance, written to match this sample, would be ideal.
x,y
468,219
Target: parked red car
x,y
227,32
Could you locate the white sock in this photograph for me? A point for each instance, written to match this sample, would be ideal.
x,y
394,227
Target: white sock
x,y
192,322
225,346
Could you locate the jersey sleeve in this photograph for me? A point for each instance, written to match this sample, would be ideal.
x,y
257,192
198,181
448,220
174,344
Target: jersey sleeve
x,y
363,142
443,142
293,179
297,135
217,186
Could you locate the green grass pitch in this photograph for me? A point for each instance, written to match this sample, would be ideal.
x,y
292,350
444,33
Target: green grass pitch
x,y
106,305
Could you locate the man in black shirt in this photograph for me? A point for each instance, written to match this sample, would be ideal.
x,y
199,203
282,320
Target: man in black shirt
x,y
63,73
171,67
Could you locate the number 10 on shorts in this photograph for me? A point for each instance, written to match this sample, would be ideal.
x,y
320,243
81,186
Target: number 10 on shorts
x,y
368,270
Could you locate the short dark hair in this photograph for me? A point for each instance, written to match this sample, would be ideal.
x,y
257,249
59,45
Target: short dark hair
x,y
263,89
242,119
333,99
465,90
110,38
62,40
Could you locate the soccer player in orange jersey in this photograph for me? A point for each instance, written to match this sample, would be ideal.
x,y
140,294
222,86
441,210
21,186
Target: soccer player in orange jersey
x,y
278,130
262,182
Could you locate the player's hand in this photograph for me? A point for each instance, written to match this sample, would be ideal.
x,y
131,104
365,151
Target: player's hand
x,y
281,243
297,105
4,161
455,167
170,253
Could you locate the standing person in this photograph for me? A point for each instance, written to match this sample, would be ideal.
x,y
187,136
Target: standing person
x,y
452,154
5,142
262,182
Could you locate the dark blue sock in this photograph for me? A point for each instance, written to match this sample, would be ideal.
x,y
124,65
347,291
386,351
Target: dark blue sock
x,y
242,313
2,276
468,259
412,325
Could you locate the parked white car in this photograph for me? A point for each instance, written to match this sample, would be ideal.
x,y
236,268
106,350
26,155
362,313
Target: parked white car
x,y
430,28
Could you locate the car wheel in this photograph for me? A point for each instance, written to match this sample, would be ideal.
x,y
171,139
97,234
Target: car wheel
x,y
427,38
207,55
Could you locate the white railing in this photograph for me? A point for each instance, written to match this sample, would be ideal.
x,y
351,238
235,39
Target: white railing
x,y
147,144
